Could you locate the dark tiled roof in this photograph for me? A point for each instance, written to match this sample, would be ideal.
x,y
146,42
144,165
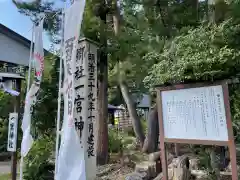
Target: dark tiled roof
x,y
17,37
113,107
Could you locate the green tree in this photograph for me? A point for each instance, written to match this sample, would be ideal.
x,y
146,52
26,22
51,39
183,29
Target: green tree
x,y
38,163
205,53
143,27
36,9
5,108
138,36
45,110
100,11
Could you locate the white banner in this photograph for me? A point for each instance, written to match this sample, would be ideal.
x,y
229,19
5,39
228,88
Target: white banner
x,y
38,55
12,132
71,165
38,61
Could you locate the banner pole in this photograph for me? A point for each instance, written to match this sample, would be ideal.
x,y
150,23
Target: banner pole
x,y
59,96
30,61
28,86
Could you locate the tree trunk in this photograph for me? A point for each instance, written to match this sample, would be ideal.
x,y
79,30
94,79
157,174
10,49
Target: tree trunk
x,y
182,172
137,127
102,146
176,149
123,86
155,156
163,8
152,137
195,8
214,163
211,11
222,158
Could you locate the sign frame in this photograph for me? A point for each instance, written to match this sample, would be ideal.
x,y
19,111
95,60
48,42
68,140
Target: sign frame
x,y
230,143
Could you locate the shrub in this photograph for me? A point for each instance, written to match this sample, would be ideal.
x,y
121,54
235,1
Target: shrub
x,y
38,161
5,108
114,141
119,140
144,125
130,132
3,134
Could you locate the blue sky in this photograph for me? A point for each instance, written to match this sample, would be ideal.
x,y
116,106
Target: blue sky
x,y
11,18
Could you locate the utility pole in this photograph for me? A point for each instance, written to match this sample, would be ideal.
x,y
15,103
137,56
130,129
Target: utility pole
x,y
8,82
16,110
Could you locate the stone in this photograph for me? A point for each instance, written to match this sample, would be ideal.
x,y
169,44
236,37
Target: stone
x,y
153,157
174,163
131,146
105,169
126,160
193,163
136,176
160,176
181,174
148,167
170,158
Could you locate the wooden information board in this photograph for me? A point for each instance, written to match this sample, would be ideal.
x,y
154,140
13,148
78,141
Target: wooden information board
x,y
195,114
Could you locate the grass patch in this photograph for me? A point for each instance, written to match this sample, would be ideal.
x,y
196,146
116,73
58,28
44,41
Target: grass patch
x,y
5,177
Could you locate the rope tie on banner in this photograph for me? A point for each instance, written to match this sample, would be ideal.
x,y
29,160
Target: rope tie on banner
x,y
60,93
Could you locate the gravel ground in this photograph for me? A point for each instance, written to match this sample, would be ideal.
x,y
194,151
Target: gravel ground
x,y
5,167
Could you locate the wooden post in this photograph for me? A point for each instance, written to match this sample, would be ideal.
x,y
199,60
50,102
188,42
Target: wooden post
x,y
222,158
176,148
16,109
163,153
231,144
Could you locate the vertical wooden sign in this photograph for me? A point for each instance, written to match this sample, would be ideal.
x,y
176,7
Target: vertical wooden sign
x,y
195,114
86,102
12,132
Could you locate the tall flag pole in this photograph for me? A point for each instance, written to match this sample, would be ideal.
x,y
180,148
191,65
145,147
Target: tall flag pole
x,y
28,86
71,161
30,61
59,95
31,97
